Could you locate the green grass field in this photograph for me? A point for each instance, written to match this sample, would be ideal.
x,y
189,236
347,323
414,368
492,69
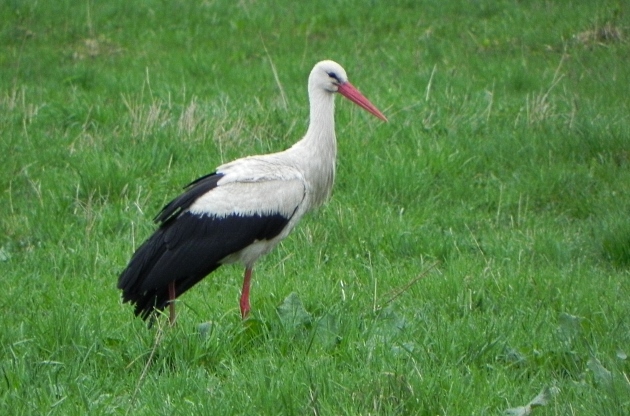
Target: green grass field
x,y
475,252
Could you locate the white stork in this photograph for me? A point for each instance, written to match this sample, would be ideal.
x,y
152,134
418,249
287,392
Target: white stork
x,y
243,209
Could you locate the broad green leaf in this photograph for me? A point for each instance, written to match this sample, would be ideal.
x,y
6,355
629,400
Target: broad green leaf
x,y
292,313
541,399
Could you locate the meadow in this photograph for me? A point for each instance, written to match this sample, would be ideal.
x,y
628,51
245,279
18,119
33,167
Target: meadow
x,y
474,258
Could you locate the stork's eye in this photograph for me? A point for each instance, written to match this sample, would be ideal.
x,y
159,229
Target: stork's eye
x,y
334,76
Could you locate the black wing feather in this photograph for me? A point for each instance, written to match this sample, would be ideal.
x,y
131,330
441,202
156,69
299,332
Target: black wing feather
x,y
187,247
194,190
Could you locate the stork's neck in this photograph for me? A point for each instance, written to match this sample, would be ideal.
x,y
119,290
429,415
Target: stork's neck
x,y
321,128
318,148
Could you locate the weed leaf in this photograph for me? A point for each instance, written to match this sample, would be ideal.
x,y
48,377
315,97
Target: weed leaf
x,y
569,326
327,332
541,400
4,254
292,313
602,375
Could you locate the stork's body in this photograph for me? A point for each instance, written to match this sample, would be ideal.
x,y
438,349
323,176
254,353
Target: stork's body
x,y
243,209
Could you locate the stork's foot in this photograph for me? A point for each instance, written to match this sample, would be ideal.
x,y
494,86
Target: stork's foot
x,y
172,317
244,304
245,308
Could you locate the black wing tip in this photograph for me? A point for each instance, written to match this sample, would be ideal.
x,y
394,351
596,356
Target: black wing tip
x,y
146,306
147,314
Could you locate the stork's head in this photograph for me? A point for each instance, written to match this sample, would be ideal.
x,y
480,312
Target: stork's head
x,y
331,77
328,75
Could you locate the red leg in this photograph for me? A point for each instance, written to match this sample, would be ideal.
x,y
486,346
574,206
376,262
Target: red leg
x,y
245,293
171,302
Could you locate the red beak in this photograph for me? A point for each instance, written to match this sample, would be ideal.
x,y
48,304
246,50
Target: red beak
x,y
351,93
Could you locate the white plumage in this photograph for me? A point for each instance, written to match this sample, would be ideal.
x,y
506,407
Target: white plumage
x,y
242,210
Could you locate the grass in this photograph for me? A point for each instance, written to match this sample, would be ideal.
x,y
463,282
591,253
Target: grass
x,y
475,253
